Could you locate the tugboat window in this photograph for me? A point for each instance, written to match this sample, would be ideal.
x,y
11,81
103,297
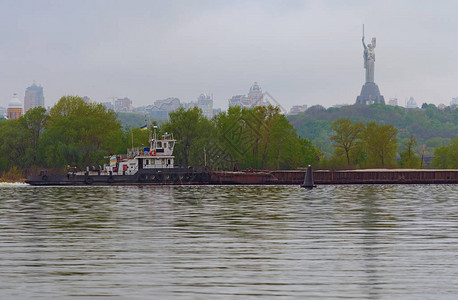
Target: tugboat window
x,y
159,144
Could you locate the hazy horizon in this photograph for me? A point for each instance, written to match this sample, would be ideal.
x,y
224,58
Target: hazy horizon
x,y
301,52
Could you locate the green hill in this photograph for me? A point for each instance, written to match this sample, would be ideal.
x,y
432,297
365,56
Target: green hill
x,y
133,120
430,126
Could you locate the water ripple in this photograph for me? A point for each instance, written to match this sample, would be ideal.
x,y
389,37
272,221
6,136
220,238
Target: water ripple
x,y
354,241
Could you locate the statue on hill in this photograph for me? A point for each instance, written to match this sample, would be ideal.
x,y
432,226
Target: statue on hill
x,y
370,92
369,60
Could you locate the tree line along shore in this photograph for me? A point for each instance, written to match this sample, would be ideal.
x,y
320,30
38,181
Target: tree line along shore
x,y
75,133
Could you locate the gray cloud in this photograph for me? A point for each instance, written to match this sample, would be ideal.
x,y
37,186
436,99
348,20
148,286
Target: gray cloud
x,y
302,52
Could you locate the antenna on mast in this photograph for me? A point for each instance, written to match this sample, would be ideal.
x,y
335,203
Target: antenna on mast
x,y
363,31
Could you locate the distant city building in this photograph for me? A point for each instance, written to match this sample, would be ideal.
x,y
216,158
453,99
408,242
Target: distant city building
x,y
255,95
411,103
340,105
297,109
205,103
254,98
108,105
87,100
14,108
189,105
33,97
454,102
169,104
238,100
124,104
162,108
216,111
3,112
393,102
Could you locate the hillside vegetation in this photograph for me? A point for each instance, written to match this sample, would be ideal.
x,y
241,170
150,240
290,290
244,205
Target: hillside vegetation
x,y
430,126
133,120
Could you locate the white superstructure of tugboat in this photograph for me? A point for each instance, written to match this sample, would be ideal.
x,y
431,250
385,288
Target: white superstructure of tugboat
x,y
159,155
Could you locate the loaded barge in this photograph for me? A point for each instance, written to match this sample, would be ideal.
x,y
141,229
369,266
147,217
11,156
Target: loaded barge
x,y
154,165
190,176
320,177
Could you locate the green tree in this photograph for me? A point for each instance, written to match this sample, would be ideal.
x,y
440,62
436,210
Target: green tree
x,y
262,138
346,137
380,143
446,157
19,139
234,131
424,124
15,144
408,157
35,120
285,149
80,134
193,133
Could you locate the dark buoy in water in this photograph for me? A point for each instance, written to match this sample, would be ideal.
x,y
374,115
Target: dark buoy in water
x,y
308,180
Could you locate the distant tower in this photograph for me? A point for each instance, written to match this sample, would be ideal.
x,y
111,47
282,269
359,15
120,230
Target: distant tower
x,y
255,95
14,108
33,97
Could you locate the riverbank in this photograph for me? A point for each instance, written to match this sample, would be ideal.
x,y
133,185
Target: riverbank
x,y
7,180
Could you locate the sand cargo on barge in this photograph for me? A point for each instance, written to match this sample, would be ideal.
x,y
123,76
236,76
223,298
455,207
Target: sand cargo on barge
x,y
320,177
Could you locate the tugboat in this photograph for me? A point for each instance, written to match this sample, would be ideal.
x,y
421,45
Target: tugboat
x,y
153,165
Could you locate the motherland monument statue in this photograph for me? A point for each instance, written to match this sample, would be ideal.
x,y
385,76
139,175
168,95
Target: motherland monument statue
x,y
370,92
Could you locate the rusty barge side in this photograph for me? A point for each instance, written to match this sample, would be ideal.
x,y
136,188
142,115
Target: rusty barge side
x,y
375,176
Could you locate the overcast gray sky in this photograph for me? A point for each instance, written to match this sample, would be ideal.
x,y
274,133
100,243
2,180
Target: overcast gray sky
x,y
301,52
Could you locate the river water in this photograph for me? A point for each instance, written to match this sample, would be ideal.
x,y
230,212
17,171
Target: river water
x,y
234,242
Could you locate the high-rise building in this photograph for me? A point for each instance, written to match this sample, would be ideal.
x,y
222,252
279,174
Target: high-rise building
x,y
108,105
205,103
255,95
254,98
33,97
124,104
238,100
14,108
